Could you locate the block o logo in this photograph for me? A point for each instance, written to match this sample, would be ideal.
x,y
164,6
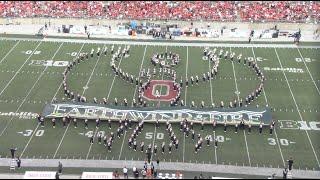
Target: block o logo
x,y
158,85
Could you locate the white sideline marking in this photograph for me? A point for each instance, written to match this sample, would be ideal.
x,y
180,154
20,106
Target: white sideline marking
x,y
9,52
309,71
19,69
70,122
134,95
180,44
235,81
35,130
294,99
275,132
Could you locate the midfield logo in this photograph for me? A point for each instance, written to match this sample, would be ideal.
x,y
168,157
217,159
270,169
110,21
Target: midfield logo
x,y
93,111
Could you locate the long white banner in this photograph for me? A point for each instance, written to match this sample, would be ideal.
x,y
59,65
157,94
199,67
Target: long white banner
x,y
220,115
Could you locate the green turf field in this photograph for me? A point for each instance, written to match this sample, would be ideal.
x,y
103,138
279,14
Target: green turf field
x,y
293,95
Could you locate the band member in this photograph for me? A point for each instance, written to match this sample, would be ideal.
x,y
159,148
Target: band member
x,y
155,149
105,140
91,139
64,121
249,128
99,138
162,147
260,128
105,50
98,51
141,146
202,125
135,145
271,129
225,126
192,134
97,123
236,128
53,123
115,101
75,123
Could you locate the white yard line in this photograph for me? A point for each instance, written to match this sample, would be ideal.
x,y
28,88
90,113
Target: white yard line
x,y
210,81
20,69
215,149
134,95
113,80
64,134
185,92
95,133
265,98
309,71
35,130
294,99
245,137
154,137
185,102
200,44
84,90
9,52
94,68
155,127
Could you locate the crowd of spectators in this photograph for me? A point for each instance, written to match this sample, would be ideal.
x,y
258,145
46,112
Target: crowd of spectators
x,y
289,11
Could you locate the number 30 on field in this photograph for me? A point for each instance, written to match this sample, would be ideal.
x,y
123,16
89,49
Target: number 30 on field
x,y
29,132
283,142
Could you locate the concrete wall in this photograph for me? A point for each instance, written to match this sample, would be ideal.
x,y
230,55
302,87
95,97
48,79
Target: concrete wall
x,y
113,23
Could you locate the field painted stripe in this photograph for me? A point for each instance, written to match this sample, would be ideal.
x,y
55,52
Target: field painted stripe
x,y
211,88
245,137
35,130
94,68
155,127
309,72
186,88
134,95
265,98
9,52
295,102
185,103
19,69
200,44
84,90
64,134
113,79
154,138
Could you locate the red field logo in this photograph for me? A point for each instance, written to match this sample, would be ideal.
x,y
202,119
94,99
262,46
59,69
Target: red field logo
x,y
156,89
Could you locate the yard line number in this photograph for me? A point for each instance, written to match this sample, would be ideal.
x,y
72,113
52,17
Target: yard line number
x,y
283,142
29,132
149,135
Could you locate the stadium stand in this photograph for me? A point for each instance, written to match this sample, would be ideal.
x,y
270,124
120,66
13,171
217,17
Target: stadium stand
x,y
258,11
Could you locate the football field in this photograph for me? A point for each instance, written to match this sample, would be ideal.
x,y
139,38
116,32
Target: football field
x,y
31,77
